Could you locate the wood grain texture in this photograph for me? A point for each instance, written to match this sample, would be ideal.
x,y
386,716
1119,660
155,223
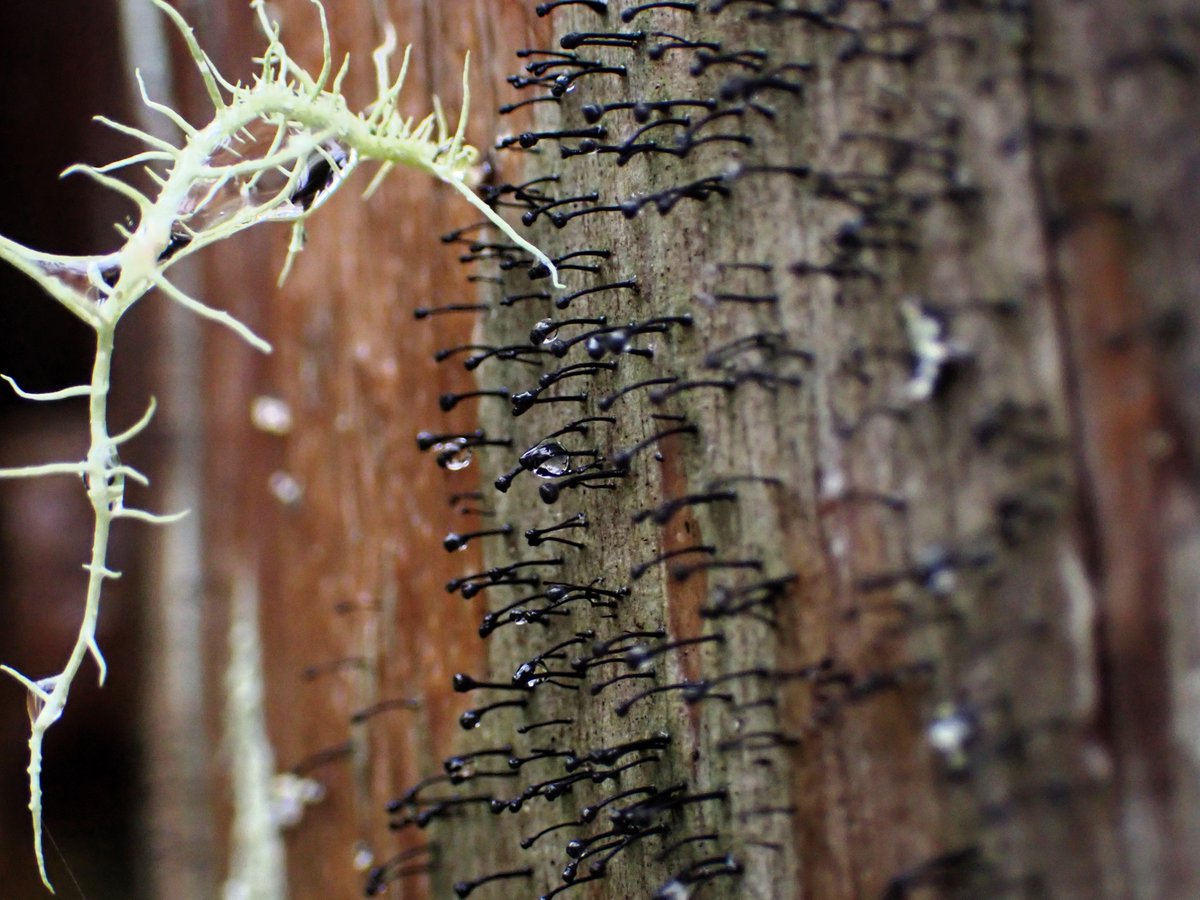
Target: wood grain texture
x,y
1013,555
353,570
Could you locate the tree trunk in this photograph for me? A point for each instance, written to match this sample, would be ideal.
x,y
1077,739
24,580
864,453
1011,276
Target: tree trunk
x,y
891,517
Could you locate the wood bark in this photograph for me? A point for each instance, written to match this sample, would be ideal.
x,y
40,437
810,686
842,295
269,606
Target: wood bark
x,y
940,275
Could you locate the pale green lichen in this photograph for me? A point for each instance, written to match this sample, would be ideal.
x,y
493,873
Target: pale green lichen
x,y
275,150
257,869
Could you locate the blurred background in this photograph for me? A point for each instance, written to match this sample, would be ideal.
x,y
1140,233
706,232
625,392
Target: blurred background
x,y
60,64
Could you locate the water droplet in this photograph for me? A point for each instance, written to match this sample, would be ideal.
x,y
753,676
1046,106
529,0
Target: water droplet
x,y
554,467
221,197
453,455
286,489
290,794
363,857
271,414
549,460
34,704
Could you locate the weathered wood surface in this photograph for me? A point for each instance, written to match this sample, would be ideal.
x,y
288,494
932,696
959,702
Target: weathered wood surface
x,y
56,75
1013,555
353,570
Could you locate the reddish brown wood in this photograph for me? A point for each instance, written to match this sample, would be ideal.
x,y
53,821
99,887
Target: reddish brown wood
x,y
1075,642
356,371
